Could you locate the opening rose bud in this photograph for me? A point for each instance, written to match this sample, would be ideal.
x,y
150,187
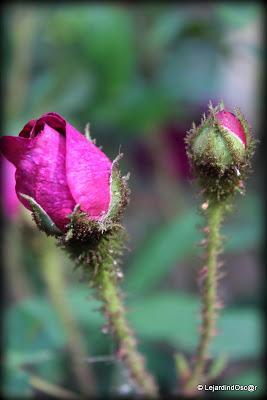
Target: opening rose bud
x,y
220,140
58,168
220,149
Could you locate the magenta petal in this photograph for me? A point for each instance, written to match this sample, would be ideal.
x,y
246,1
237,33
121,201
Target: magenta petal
x,y
229,121
27,129
9,196
88,173
52,119
13,147
41,174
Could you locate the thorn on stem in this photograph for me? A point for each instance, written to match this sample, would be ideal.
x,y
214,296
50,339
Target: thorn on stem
x,y
205,205
203,242
206,229
221,275
105,329
121,353
219,305
203,272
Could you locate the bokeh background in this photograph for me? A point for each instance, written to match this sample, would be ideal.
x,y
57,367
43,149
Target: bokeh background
x,y
140,75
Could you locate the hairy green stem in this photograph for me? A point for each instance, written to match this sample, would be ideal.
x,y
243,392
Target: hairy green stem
x,y
98,252
209,295
115,312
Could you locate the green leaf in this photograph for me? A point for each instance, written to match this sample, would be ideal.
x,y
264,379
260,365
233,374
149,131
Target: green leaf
x,y
33,335
244,324
164,250
139,109
237,15
15,359
175,241
175,318
85,307
16,384
166,28
245,228
166,317
38,326
53,370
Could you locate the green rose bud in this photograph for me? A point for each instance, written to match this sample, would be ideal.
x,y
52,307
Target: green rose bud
x,y
220,149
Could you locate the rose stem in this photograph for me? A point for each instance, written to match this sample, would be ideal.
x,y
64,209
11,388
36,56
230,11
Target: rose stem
x,y
56,287
108,292
209,295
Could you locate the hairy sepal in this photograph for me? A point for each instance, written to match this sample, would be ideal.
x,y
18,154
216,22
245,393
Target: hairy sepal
x,y
41,218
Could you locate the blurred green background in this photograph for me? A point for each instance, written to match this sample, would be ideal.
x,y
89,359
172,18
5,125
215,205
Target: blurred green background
x,y
140,75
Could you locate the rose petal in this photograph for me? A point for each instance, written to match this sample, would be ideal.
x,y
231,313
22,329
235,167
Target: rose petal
x,y
229,121
13,147
52,119
27,129
88,173
9,196
41,174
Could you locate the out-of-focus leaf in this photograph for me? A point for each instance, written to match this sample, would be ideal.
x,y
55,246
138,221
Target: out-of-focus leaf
x,y
245,228
16,379
237,15
32,319
166,316
164,249
239,333
39,325
103,38
250,377
175,241
173,318
162,317
166,28
84,306
16,384
16,359
177,68
140,109
52,370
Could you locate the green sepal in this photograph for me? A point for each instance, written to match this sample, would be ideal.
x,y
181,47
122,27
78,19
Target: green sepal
x,y
118,194
42,219
211,144
87,131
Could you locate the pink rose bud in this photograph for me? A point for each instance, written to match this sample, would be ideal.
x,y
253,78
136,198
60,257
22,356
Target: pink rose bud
x,y
58,168
220,149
